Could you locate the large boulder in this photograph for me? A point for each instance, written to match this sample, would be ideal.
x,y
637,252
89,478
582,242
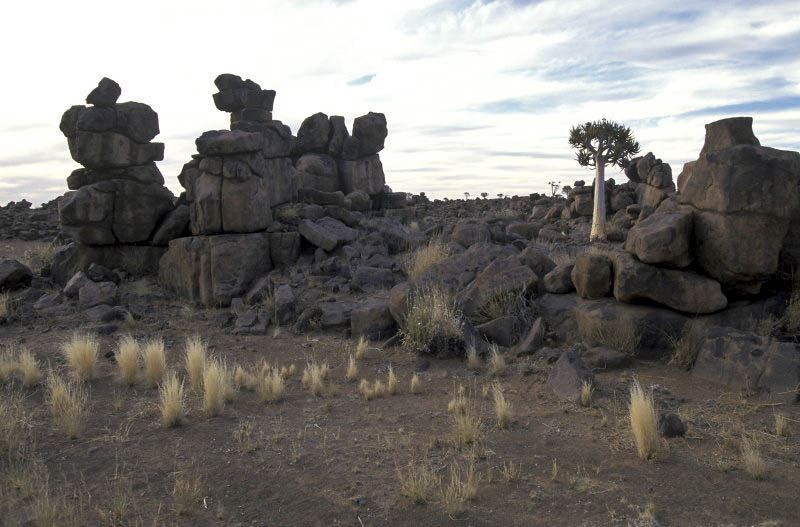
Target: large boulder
x,y
371,132
684,291
317,171
362,174
111,150
212,270
664,238
744,196
145,174
503,279
746,361
226,142
568,376
106,93
469,232
313,134
591,275
372,318
14,275
327,233
136,260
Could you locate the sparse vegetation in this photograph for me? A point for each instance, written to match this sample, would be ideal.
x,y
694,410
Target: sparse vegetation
x,y
155,362
67,402
391,383
752,460
314,376
80,353
361,348
244,380
171,399
462,488
414,386
423,257
195,361
271,387
621,336
497,364
187,490
28,368
781,429
352,369
685,348
6,306
127,356
587,390
502,408
473,361
214,387
642,415
417,482
432,324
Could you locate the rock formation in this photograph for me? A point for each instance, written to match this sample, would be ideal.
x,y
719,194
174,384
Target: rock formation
x,y
118,199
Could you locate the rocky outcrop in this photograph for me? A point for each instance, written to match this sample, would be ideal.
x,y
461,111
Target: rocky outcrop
x,y
743,197
664,237
119,197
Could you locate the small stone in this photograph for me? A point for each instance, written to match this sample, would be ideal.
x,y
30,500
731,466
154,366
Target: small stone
x,y
670,425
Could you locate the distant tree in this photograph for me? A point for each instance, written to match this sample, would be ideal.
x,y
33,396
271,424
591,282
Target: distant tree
x,y
500,195
466,195
484,194
602,143
554,186
565,190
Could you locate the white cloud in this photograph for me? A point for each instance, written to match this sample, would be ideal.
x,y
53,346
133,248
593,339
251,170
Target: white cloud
x,y
468,87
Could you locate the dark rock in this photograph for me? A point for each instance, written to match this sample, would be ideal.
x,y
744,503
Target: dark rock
x,y
591,275
100,150
135,120
284,248
502,330
48,301
663,238
106,93
372,279
372,319
313,134
670,425
469,232
95,293
339,134
559,280
14,275
533,340
364,174
568,375
136,260
75,283
371,132
317,171
174,225
285,305
226,142
605,358
100,273
729,132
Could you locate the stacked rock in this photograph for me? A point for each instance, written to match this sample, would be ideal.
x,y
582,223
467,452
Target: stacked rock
x,y
330,161
119,196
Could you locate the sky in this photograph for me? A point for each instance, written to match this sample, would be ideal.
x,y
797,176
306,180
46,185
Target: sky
x,y
479,95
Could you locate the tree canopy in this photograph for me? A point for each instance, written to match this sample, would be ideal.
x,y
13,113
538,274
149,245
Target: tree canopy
x,y
604,140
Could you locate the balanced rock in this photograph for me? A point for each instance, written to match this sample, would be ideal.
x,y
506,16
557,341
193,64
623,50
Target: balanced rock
x,y
106,93
664,237
591,275
371,132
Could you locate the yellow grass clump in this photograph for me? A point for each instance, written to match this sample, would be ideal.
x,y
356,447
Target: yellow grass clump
x,y
67,403
215,380
502,408
271,387
196,351
361,348
780,425
81,355
155,362
172,401
473,361
391,383
642,414
28,368
753,463
314,377
244,380
5,304
432,323
352,369
8,366
497,364
417,482
462,488
587,390
127,355
423,257
415,384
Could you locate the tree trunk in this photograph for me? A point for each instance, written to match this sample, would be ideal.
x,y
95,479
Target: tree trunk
x,y
599,212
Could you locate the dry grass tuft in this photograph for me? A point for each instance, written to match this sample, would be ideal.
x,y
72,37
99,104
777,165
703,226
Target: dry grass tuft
x,y
502,408
642,416
685,349
467,426
172,401
352,369
155,362
378,389
361,348
462,488
753,463
424,256
314,376
473,361
8,366
67,403
459,401
215,380
187,490
28,368
15,429
271,387
432,323
81,355
497,364
391,383
196,351
511,472
781,428
127,355
5,305
791,316
415,384
621,336
587,391
417,482
244,380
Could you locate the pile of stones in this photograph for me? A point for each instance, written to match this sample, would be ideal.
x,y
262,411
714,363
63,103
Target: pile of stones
x,y
119,208
19,221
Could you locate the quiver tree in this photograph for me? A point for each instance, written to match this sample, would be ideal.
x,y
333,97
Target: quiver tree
x,y
602,143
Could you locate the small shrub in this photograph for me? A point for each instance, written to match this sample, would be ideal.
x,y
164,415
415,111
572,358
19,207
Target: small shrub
x,y
791,316
8,366
473,361
685,349
67,403
415,384
459,401
753,463
81,355
271,387
378,389
172,401
352,369
361,348
155,362
432,323
587,390
196,351
417,482
461,489
365,389
28,368
391,383
127,355
423,257
497,364
642,416
244,380
214,387
502,408
314,376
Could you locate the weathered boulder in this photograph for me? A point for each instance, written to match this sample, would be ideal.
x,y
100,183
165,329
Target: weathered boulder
x,y
106,93
317,171
538,259
684,291
95,293
502,279
372,318
744,360
364,174
145,174
326,233
111,150
313,134
371,279
656,181
338,135
281,180
533,340
358,200
664,237
605,358
285,305
729,132
744,197
371,132
559,280
469,232
226,142
284,248
502,330
174,225
278,140
212,270
591,275
136,260
14,275
75,283
568,376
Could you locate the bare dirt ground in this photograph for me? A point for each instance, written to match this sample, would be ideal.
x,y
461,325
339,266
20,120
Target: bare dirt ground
x,y
334,459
